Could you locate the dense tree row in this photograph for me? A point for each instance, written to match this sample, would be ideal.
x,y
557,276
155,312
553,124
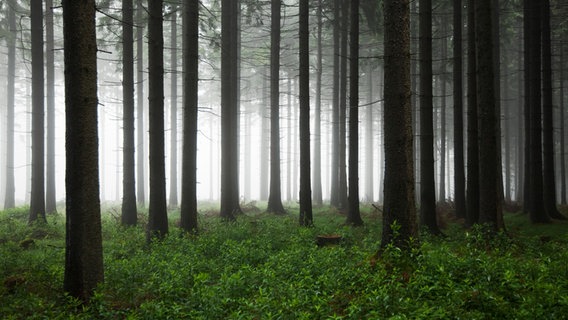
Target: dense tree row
x,y
293,85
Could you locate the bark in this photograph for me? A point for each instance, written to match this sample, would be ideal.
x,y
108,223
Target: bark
x,y
50,191
37,200
157,211
343,200
83,237
334,193
399,205
140,145
188,210
459,169
353,214
275,196
369,176
489,159
562,133
317,116
442,79
129,211
427,181
306,218
472,197
9,200
229,111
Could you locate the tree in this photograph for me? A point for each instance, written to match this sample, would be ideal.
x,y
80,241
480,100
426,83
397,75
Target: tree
x,y
173,200
353,214
129,211
306,218
459,174
50,202
489,159
472,197
188,213
334,198
399,218
229,110
157,211
427,182
344,27
83,238
9,200
141,154
275,196
37,200
317,116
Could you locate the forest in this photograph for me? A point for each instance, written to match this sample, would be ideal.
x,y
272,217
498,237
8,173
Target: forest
x,y
283,159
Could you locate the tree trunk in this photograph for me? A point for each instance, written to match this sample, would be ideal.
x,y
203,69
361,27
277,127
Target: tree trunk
x,y
275,197
173,200
229,111
472,198
83,237
50,191
343,201
9,200
141,154
489,191
37,205
157,211
353,213
334,193
459,169
264,110
399,206
129,211
306,218
427,181
369,176
442,78
188,210
562,132
317,116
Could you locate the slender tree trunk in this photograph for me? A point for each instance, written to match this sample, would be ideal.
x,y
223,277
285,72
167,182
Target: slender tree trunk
x,y
229,111
369,177
317,116
50,191
141,154
275,197
489,191
306,218
334,198
343,201
173,200
459,168
442,172
521,121
399,206
83,235
562,131
264,110
158,216
129,211
549,180
353,214
9,200
188,210
37,205
289,158
472,201
427,181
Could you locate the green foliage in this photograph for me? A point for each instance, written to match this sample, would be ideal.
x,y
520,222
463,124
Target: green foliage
x,y
267,267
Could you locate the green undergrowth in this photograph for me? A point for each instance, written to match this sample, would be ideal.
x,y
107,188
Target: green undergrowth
x,y
267,267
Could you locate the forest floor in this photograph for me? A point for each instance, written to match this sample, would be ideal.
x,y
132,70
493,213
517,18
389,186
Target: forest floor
x,y
267,267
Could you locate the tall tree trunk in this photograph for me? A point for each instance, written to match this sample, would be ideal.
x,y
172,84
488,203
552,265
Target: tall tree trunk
x,y
459,169
275,197
188,210
549,180
562,131
83,235
9,200
521,121
472,197
343,201
141,154
427,181
129,211
264,110
173,200
399,206
353,213
50,191
37,205
369,176
306,218
157,211
317,116
334,198
229,111
444,57
489,191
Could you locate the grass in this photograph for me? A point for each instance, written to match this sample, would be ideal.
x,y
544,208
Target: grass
x,y
267,267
